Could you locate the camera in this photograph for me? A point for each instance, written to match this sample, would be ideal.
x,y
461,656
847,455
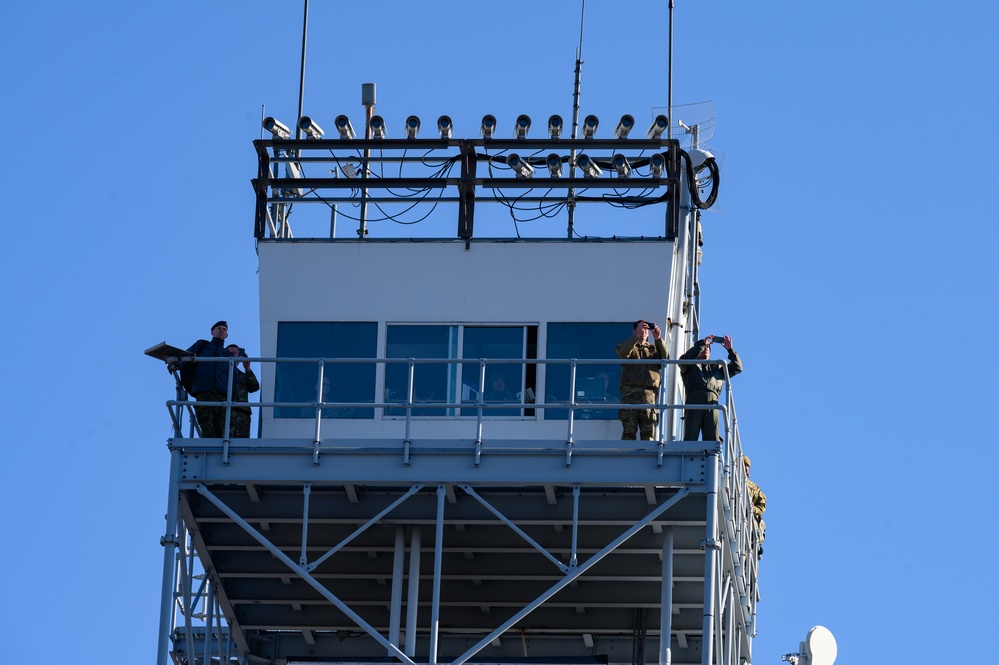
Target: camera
x,y
718,338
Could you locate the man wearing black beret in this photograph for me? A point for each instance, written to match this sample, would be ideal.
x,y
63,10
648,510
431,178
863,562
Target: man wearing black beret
x,y
211,381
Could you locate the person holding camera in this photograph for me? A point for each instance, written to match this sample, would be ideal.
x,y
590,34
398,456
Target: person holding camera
x,y
245,383
640,381
703,384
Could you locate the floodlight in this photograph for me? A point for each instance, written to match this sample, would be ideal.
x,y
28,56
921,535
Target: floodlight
x,y
621,165
412,127
349,170
444,126
517,163
377,125
488,126
659,125
554,163
277,128
656,164
523,126
624,126
311,129
343,125
590,123
555,126
588,167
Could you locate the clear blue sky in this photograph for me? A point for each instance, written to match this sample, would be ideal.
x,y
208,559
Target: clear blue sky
x,y
851,256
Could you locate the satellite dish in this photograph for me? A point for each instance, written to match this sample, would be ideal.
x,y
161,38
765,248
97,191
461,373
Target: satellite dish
x,y
820,646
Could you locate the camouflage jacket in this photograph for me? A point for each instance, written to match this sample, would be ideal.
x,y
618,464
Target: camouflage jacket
x,y
758,499
641,375
246,383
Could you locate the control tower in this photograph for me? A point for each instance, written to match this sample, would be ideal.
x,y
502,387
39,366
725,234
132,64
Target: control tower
x,y
436,472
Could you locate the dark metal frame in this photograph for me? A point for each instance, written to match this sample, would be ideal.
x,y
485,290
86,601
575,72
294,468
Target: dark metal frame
x,y
469,153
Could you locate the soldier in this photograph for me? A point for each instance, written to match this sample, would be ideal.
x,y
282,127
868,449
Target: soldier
x,y
759,501
246,383
640,382
211,381
703,384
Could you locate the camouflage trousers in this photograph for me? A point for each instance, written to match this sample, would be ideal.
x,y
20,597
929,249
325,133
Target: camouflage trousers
x,y
239,424
211,419
638,421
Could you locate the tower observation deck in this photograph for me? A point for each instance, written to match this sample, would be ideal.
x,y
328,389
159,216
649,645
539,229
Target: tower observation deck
x,y
436,473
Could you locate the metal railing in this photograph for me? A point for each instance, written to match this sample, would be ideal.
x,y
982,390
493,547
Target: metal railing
x,y
454,409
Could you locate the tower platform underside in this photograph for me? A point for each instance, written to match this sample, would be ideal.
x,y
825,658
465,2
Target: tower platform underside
x,y
448,551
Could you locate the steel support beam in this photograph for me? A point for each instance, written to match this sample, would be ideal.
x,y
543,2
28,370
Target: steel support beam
x,y
304,575
571,576
666,604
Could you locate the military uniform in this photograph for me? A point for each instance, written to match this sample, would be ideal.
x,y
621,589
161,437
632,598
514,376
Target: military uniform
x,y
239,420
703,384
210,385
759,501
640,385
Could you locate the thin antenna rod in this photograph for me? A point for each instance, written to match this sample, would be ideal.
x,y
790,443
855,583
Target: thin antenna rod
x,y
571,203
301,78
579,66
669,84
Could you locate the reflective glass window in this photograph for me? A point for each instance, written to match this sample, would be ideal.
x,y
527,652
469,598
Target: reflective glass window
x,y
596,384
342,382
504,383
432,382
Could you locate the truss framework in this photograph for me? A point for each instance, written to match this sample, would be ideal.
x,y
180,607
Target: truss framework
x,y
316,569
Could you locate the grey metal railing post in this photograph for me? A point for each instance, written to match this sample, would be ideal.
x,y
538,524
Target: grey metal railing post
x,y
480,401
228,410
320,400
409,397
572,411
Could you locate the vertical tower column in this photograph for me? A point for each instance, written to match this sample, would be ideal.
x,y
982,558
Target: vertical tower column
x,y
666,600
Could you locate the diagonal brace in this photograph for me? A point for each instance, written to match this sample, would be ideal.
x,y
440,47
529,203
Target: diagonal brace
x,y
304,574
571,577
520,532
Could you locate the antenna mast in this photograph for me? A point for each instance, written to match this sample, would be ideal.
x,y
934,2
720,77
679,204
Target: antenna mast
x,y
301,76
669,77
571,201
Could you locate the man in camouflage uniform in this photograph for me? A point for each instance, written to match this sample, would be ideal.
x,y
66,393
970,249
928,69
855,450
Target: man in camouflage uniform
x,y
703,384
246,383
211,381
759,501
640,382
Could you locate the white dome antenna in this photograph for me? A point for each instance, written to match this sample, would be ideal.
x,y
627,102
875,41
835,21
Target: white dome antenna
x,y
819,648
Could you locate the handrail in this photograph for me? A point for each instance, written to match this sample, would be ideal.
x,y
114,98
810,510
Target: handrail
x,y
481,405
